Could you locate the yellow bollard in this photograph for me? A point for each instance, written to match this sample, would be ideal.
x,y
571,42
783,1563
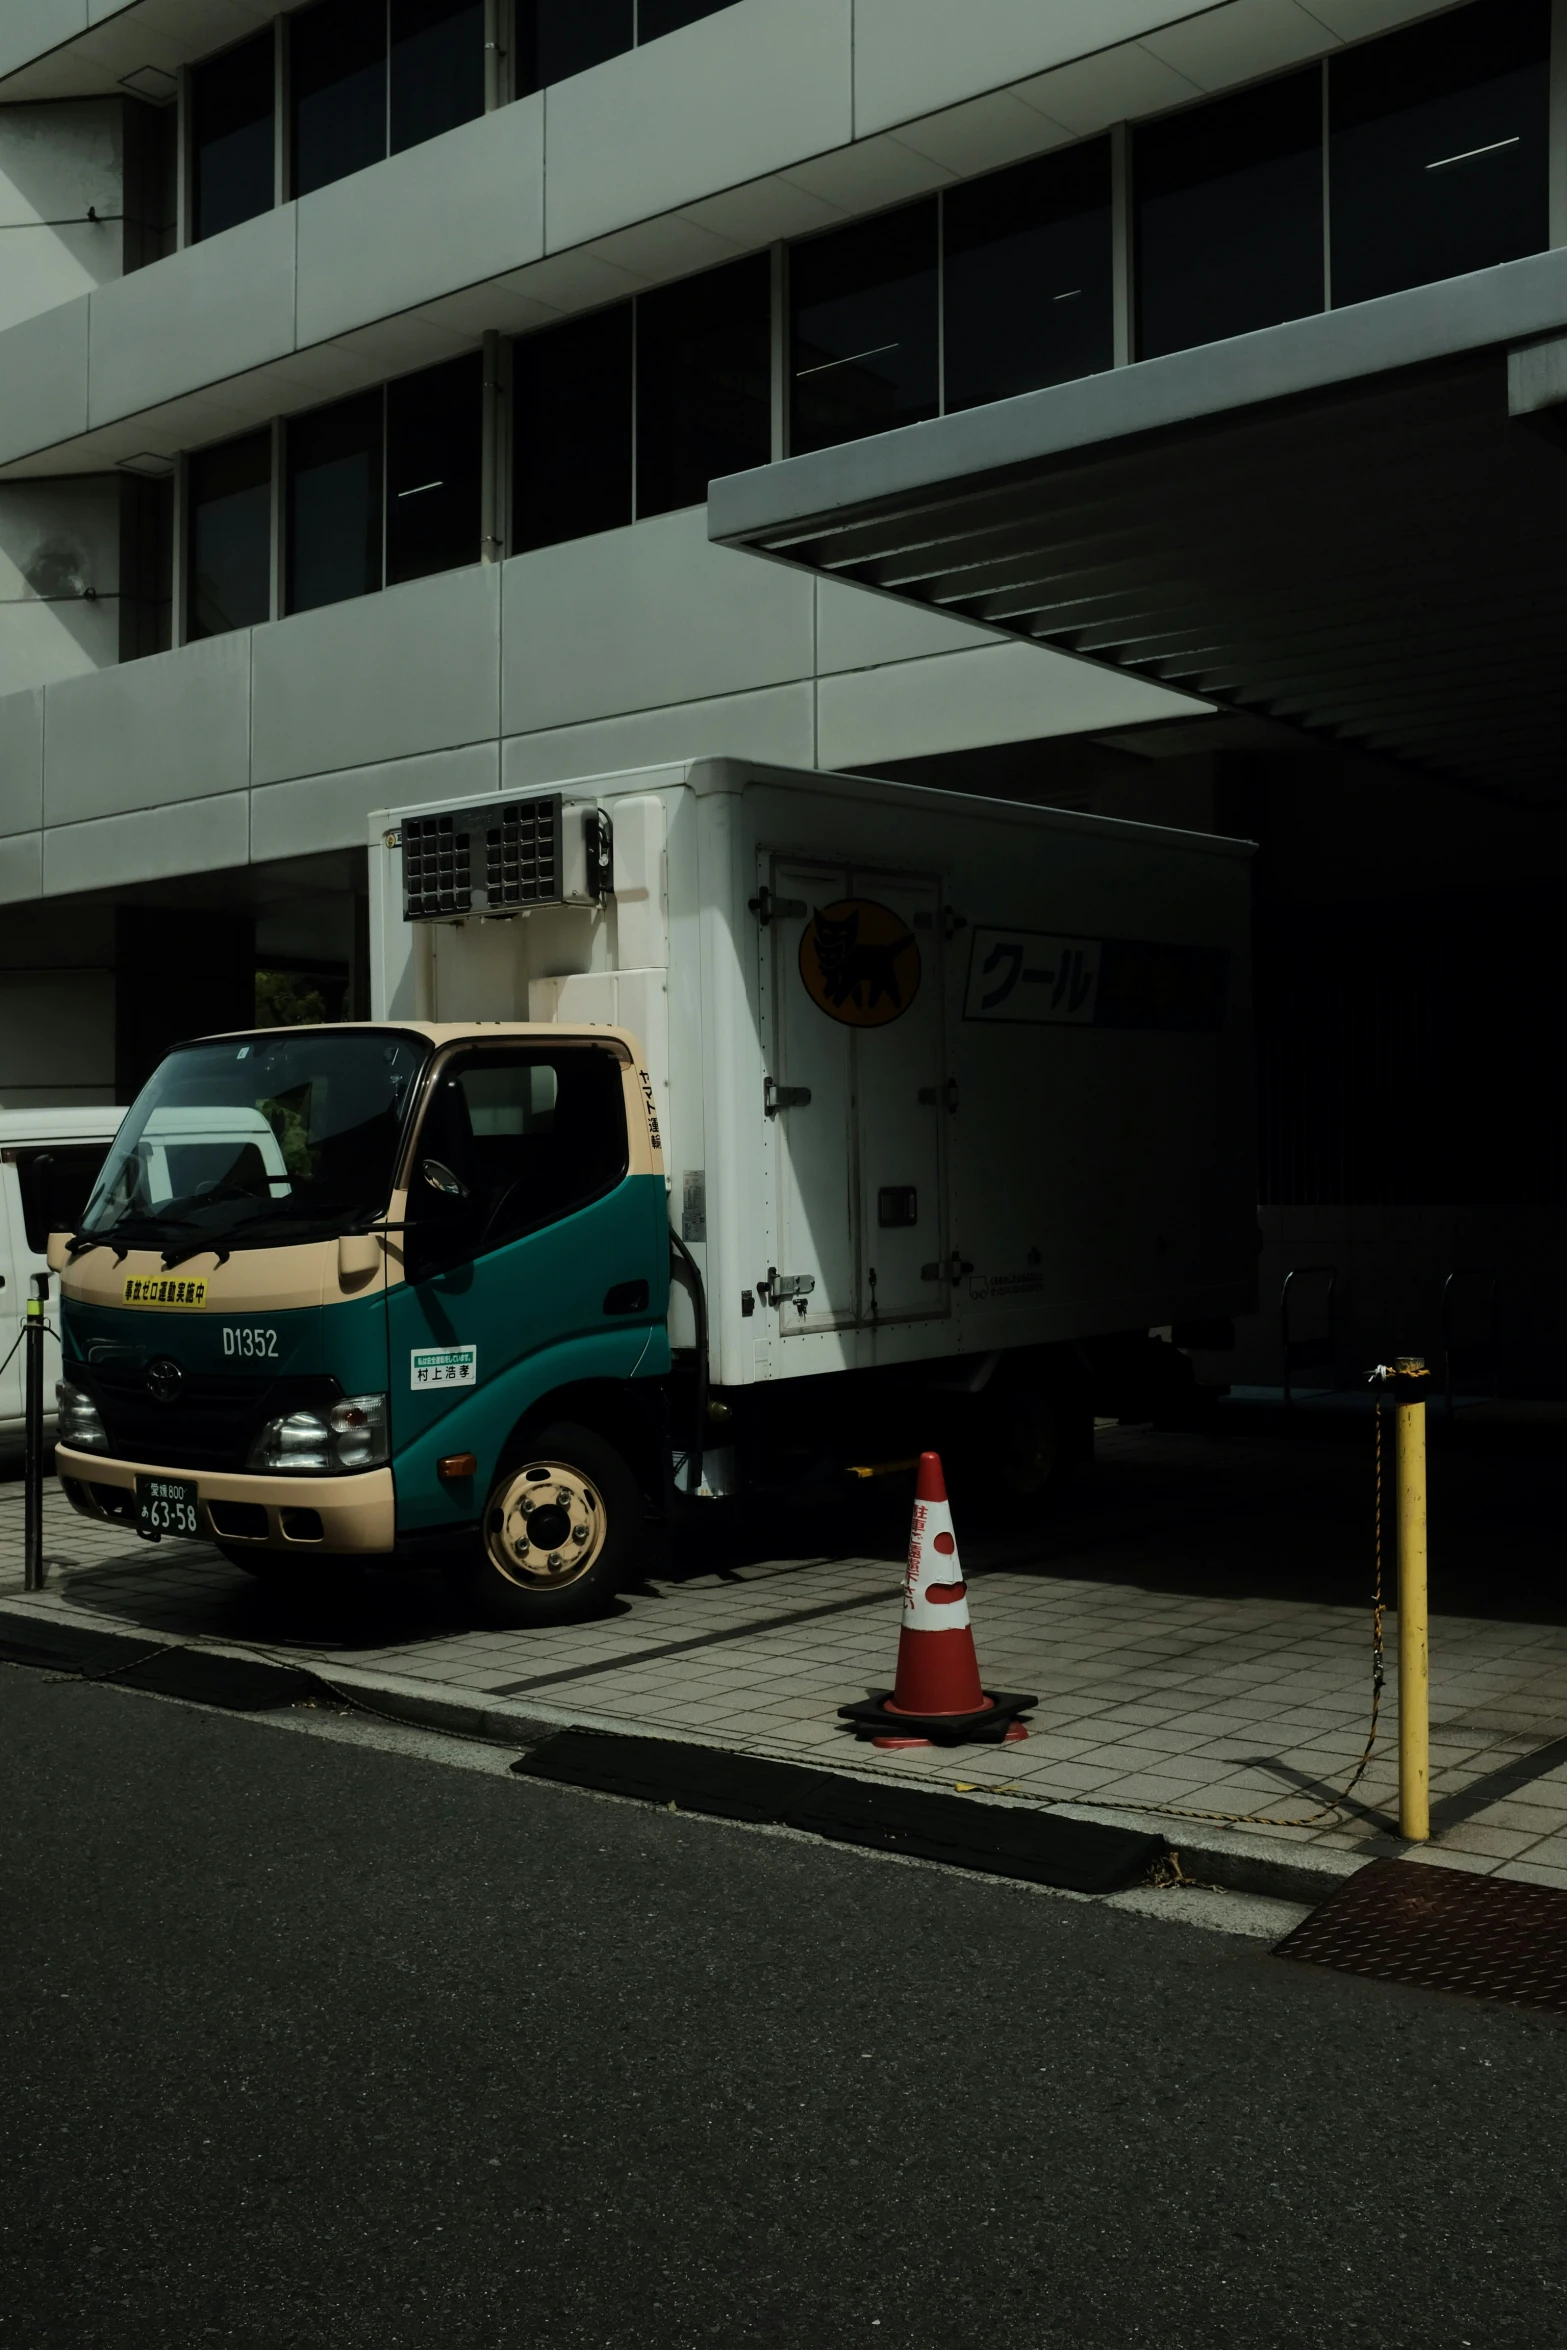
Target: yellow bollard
x,y
1414,1657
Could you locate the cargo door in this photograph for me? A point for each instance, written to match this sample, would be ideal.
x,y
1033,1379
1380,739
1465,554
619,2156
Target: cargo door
x,y
856,1070
899,1073
810,1105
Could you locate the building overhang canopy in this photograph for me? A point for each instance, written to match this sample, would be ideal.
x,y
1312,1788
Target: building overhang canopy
x,y
1354,523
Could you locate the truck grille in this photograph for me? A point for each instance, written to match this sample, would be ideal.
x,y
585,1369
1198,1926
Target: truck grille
x,y
212,1422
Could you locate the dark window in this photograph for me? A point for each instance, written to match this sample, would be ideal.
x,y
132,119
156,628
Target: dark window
x,y
667,16
337,88
437,67
571,429
1229,215
151,182
146,565
704,383
334,503
56,1185
228,554
434,429
233,137
863,328
557,38
1028,276
1439,154
533,1136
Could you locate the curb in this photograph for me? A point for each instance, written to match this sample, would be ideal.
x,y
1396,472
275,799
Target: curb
x,y
240,1679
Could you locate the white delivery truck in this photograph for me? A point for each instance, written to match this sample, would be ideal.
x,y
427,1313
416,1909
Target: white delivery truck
x,y
955,1095
716,1126
49,1162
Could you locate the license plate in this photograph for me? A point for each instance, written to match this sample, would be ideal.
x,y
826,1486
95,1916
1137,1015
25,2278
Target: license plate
x,y
166,1505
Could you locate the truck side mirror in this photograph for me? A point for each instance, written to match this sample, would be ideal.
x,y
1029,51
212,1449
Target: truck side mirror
x,y
440,1178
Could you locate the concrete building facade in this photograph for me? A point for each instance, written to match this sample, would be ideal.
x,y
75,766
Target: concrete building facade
x,y
363,367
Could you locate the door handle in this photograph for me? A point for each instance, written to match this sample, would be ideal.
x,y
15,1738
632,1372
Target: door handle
x,y
627,1297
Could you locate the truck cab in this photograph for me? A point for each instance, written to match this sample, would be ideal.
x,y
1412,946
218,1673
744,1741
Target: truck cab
x,y
381,1291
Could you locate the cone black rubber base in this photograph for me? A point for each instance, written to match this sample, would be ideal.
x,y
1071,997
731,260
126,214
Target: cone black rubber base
x,y
871,1719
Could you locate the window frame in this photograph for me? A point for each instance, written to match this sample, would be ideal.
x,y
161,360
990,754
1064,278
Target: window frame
x,y
520,1051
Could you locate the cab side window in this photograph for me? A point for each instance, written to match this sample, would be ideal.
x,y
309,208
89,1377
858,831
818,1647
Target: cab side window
x,y
531,1137
56,1185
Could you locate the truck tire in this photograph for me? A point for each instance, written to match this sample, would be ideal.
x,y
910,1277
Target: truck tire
x,y
561,1533
1029,1454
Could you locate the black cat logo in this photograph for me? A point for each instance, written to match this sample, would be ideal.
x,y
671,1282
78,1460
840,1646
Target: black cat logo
x,y
860,962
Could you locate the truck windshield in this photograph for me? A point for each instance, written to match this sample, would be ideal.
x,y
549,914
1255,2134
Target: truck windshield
x,y
258,1140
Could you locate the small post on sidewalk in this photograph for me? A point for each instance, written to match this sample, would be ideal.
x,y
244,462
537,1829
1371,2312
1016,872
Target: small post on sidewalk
x,y
33,1466
1410,1379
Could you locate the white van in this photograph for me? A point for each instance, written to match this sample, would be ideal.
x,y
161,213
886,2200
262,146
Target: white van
x,y
49,1162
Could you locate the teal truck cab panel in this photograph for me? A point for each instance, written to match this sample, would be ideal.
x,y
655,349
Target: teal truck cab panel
x,y
349,1255
475,1348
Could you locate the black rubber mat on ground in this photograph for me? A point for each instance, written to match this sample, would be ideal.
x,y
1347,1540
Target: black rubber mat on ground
x,y
201,1675
1076,1856
1442,1930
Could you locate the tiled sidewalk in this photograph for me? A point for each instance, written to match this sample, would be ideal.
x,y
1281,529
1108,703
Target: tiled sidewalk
x,y
1160,1682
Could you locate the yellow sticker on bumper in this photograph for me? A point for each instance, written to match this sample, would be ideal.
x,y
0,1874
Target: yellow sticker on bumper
x,y
165,1289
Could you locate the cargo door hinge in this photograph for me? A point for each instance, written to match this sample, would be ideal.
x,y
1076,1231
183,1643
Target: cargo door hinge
x,y
767,908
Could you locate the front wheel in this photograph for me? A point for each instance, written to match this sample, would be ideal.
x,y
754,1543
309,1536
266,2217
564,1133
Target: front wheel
x,y
562,1532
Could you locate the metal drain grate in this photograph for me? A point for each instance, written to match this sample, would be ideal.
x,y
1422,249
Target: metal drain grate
x,y
1442,1930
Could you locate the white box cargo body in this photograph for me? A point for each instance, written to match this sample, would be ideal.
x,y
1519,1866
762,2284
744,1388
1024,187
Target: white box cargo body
x,y
935,1075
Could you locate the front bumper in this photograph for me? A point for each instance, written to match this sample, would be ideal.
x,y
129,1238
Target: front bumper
x,y
356,1514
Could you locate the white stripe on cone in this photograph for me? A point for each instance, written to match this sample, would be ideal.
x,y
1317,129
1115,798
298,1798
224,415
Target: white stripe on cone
x,y
934,1568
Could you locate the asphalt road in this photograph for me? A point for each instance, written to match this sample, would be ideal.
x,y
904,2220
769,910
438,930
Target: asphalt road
x,y
307,2043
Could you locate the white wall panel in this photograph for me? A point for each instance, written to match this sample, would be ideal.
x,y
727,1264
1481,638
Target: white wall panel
x,y
748,91
1247,38
648,615
984,133
201,315
204,836
870,175
777,726
857,629
1357,20
442,215
912,57
55,162
380,677
1003,693
329,811
29,27
43,380
59,579
172,728
21,762
21,867
1119,85
42,643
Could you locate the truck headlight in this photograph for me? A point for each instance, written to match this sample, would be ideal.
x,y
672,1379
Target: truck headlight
x,y
77,1423
350,1435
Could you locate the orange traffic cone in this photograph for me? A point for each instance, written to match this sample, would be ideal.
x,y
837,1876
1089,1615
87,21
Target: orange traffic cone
x,y
938,1700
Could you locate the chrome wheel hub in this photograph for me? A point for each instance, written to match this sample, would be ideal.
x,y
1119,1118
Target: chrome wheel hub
x,y
545,1526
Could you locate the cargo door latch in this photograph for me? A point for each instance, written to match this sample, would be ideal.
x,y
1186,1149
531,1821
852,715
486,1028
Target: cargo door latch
x,y
778,1288
776,1097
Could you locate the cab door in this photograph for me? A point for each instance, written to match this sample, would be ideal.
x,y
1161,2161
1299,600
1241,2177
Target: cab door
x,y
533,1258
